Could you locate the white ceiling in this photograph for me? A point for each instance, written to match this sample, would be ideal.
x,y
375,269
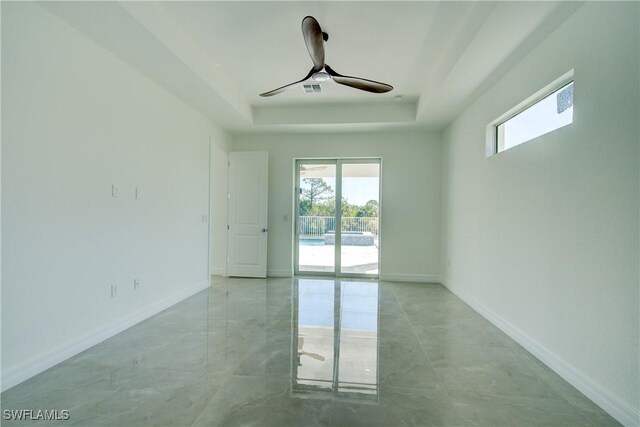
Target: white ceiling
x,y
218,56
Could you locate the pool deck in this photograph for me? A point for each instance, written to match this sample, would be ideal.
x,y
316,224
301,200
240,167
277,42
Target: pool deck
x,y
355,259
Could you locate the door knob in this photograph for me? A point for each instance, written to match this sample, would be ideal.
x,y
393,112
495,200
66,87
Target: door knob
x,y
264,230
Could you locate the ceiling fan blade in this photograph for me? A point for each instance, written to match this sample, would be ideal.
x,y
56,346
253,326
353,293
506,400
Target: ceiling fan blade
x,y
358,83
310,169
290,85
313,356
313,39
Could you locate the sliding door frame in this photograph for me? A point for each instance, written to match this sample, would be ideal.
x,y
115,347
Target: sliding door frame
x,y
338,162
296,227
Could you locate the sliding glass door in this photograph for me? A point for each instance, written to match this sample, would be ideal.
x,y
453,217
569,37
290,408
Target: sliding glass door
x,y
337,217
359,236
316,201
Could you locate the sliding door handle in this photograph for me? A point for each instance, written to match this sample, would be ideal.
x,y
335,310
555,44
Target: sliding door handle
x,y
264,230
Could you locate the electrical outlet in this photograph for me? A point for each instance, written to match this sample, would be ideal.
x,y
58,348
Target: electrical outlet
x,y
114,291
138,193
115,190
136,284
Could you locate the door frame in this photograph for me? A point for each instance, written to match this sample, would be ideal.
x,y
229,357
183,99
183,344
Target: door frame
x,y
338,162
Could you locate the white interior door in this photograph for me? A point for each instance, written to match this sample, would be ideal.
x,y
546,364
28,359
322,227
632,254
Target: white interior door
x,y
248,189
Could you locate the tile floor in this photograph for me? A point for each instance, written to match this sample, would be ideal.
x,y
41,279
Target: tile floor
x,y
306,352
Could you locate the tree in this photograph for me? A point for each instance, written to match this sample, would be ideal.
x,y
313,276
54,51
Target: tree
x,y
317,191
305,209
370,209
348,210
327,208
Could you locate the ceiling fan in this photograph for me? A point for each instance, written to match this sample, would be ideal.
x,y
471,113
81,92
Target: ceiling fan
x,y
301,352
314,38
304,168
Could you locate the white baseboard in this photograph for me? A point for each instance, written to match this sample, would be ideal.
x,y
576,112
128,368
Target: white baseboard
x,y
422,278
41,363
279,273
217,272
621,411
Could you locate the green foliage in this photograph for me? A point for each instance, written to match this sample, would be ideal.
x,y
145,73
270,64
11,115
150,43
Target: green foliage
x,y
327,208
305,207
317,191
370,209
317,200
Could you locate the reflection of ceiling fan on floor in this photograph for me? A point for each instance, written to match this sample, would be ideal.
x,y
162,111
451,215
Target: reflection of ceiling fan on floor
x,y
312,168
304,353
314,38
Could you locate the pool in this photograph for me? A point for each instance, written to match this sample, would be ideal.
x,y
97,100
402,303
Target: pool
x,y
311,242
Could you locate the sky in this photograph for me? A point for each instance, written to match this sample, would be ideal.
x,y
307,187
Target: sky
x,y
540,118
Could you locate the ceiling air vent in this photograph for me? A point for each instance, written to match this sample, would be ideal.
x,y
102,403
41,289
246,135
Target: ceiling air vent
x,y
313,88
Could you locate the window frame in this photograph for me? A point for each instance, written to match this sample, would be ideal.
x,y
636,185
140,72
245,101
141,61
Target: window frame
x,y
492,141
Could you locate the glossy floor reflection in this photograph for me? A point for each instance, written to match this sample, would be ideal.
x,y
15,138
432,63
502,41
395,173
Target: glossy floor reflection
x,y
308,352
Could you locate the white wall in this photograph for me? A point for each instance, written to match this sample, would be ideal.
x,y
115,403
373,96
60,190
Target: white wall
x,y
544,237
76,120
410,223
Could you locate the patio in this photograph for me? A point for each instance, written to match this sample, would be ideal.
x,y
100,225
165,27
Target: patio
x,y
355,259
